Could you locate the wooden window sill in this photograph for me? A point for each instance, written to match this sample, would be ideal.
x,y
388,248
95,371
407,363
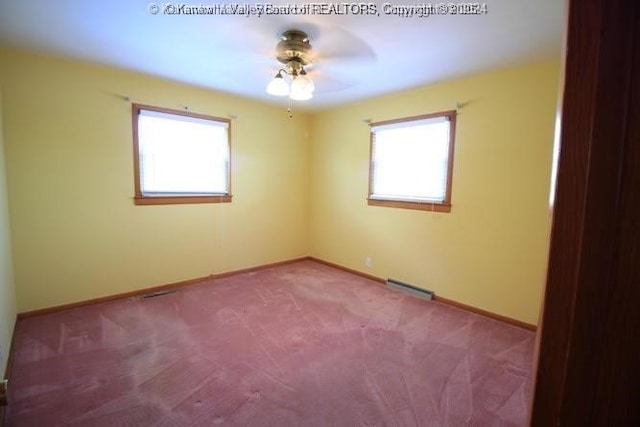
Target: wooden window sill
x,y
422,206
177,200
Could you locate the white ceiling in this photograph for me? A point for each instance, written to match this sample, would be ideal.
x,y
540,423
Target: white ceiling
x,y
358,56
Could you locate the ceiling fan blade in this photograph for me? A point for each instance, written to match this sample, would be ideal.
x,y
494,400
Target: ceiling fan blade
x,y
328,41
338,56
335,43
327,83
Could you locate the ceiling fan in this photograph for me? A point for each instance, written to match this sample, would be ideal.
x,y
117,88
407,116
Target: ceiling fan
x,y
294,52
338,55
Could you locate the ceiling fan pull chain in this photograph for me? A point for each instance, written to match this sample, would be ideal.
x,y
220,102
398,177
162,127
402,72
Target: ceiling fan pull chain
x,y
289,110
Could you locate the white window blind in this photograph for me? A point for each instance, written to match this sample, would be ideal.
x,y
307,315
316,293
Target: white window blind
x,y
182,155
410,160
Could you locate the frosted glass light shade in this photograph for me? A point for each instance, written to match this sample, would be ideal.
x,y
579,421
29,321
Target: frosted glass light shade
x,y
301,88
306,81
278,86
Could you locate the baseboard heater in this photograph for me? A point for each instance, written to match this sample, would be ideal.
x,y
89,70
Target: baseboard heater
x,y
410,289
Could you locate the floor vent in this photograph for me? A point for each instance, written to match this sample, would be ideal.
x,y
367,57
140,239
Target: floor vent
x,y
158,294
410,289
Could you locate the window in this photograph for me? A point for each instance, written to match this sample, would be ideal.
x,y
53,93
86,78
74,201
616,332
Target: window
x,y
180,157
412,161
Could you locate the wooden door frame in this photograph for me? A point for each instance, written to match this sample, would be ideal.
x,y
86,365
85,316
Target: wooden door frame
x,y
589,339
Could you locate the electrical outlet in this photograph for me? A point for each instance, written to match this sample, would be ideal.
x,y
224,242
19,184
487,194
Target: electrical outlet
x,y
3,392
368,262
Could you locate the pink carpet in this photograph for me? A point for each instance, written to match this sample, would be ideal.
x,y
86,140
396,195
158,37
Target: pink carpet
x,y
298,345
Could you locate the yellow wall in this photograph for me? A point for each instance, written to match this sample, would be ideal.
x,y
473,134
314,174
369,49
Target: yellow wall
x,y
77,234
299,188
490,251
7,294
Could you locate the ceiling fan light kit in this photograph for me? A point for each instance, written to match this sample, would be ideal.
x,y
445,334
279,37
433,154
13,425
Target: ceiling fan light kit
x,y
278,86
294,51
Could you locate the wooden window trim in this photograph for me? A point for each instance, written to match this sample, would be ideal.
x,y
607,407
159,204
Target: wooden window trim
x,y
179,200
445,205
402,204
141,199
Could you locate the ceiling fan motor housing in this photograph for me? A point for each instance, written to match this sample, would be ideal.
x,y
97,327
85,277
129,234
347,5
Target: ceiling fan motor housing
x,y
294,46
